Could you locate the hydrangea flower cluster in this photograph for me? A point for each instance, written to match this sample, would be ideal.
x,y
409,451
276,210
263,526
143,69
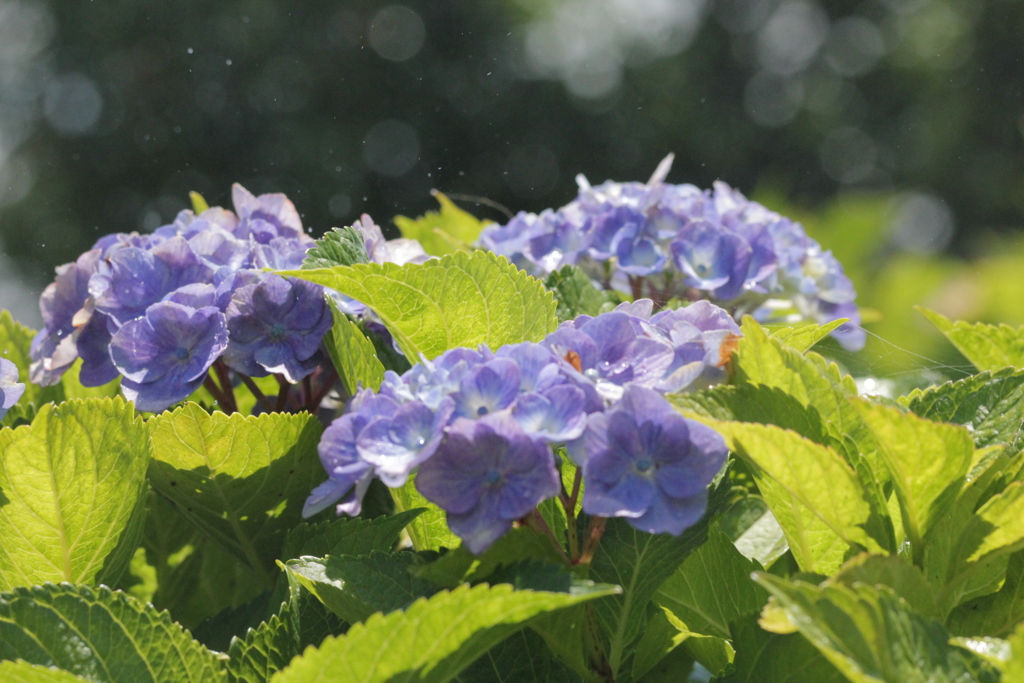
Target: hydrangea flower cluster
x,y
478,427
680,242
10,388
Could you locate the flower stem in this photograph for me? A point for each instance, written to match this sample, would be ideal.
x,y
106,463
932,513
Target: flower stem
x,y
569,504
536,521
636,284
212,387
258,393
225,386
595,529
330,377
282,395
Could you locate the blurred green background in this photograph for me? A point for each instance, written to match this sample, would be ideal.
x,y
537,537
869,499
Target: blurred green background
x,y
893,128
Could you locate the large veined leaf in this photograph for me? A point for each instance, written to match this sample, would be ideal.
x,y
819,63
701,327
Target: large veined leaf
x,y
523,656
638,562
100,635
353,355
869,635
434,640
23,672
574,292
988,347
263,651
928,463
712,587
338,247
990,405
240,480
72,493
802,481
763,657
347,535
443,232
804,337
356,587
995,614
463,299
429,531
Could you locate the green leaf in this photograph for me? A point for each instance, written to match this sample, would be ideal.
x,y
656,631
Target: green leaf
x,y
442,233
356,587
15,342
240,480
263,651
815,496
638,562
763,657
347,535
1013,671
753,529
712,587
658,639
100,635
988,347
199,204
429,531
804,337
997,613
461,566
990,404
890,571
927,461
434,640
338,247
23,672
72,493
870,636
460,300
523,656
353,355
574,292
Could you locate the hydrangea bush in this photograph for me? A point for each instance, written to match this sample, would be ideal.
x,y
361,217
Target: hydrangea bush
x,y
600,447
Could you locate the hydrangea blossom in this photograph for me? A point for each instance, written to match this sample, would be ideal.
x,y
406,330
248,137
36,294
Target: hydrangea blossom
x,y
109,307
678,242
10,388
477,427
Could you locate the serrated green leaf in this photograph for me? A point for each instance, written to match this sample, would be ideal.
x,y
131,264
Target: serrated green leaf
x,y
429,531
574,293
988,347
523,656
240,480
927,461
990,405
263,651
712,587
100,635
997,613
353,355
890,571
356,587
439,637
442,232
459,565
804,337
23,672
462,299
347,535
790,472
763,657
638,562
870,636
338,247
72,493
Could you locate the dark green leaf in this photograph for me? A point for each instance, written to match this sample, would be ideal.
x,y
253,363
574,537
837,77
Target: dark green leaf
x,y
574,293
101,635
347,535
995,614
263,651
521,657
763,657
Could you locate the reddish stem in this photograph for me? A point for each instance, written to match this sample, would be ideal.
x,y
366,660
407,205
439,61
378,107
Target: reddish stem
x,y
282,395
595,529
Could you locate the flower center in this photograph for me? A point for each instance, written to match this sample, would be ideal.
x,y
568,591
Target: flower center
x,y
643,465
493,477
277,331
481,411
181,354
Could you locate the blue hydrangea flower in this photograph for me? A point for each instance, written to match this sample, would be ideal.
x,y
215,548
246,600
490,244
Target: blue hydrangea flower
x,y
402,438
276,326
349,475
703,338
164,355
486,474
643,461
10,388
430,381
487,389
265,217
556,415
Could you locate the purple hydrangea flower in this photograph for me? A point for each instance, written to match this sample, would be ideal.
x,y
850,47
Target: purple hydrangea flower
x,y
265,217
164,355
402,438
276,326
487,389
556,415
643,461
703,338
486,474
10,388
349,475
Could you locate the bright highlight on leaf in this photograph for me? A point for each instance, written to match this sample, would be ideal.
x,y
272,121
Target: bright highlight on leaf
x,y
72,493
447,231
460,300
